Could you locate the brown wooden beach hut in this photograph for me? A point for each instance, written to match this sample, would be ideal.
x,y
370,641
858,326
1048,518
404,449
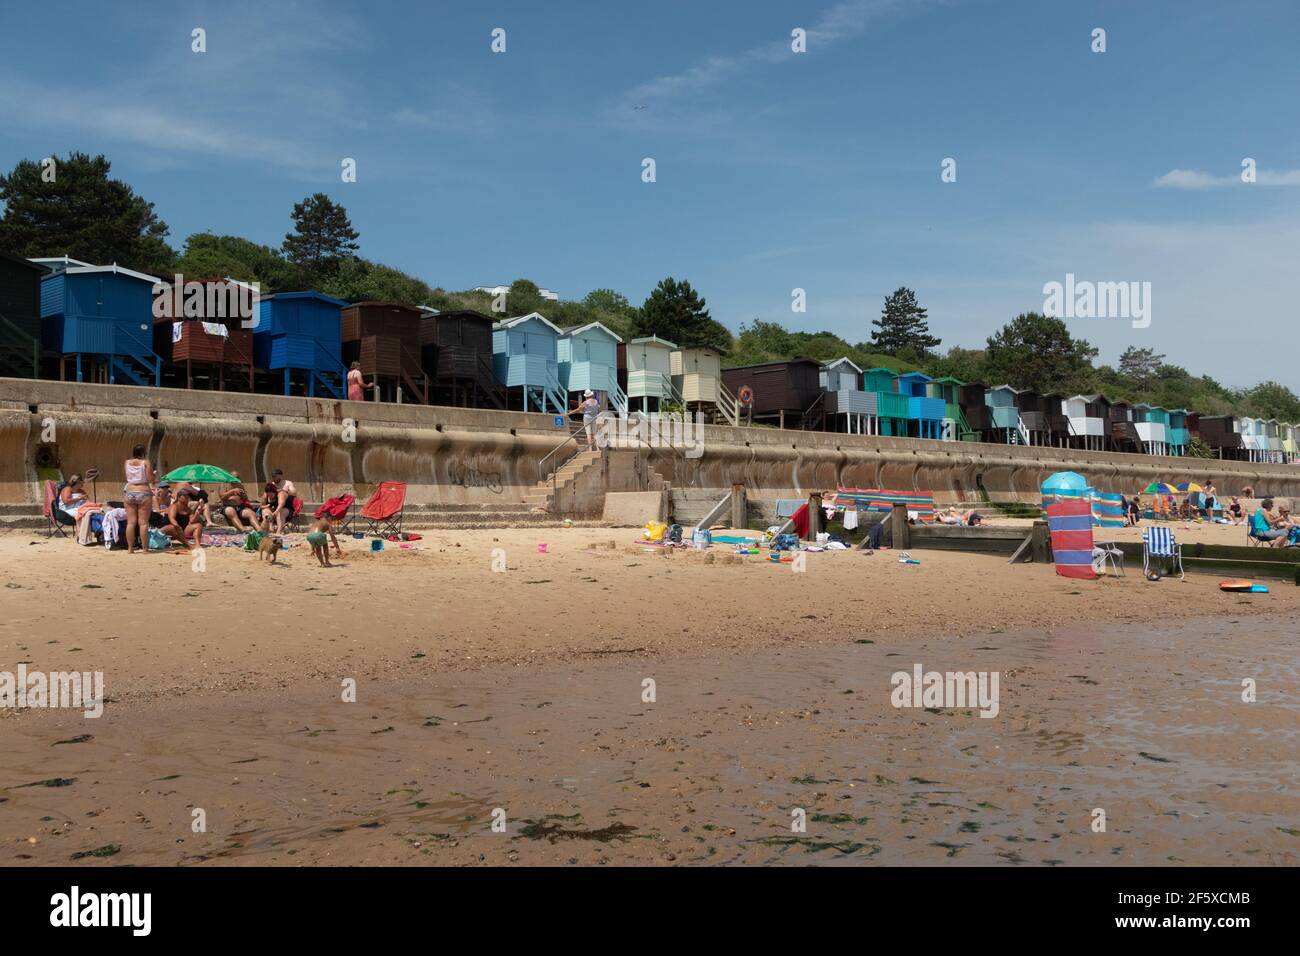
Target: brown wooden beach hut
x,y
385,338
207,344
456,354
789,392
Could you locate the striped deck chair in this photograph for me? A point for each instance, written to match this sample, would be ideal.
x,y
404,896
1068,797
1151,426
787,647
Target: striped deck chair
x,y
1070,525
1159,545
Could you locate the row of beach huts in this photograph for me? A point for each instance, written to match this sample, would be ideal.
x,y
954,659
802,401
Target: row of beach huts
x,y
71,320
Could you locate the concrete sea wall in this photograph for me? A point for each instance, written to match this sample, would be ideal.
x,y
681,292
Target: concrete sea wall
x,y
483,457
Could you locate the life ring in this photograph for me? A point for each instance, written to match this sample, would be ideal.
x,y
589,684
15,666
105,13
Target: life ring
x,y
746,395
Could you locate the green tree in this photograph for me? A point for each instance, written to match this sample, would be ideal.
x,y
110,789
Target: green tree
x,y
82,213
609,302
969,365
1272,400
1141,365
675,311
902,325
208,256
525,297
322,237
358,280
1037,352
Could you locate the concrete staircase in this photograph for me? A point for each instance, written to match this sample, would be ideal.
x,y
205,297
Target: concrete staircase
x,y
541,494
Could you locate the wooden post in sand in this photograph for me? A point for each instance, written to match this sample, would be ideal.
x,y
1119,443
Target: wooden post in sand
x,y
739,510
900,532
1040,543
814,515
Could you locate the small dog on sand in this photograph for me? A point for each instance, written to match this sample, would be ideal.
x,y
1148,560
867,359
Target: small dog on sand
x,y
269,545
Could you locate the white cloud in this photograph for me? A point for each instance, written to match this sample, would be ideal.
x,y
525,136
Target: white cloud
x,y
844,21
1195,179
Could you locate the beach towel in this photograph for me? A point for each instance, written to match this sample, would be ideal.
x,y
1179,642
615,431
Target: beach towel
x,y
920,504
785,507
1070,525
800,520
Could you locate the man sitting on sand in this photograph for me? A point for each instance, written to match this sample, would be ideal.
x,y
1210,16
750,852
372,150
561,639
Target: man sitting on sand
x,y
235,504
1266,525
1235,513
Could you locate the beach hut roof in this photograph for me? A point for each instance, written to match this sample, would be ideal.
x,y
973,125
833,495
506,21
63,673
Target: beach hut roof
x,y
82,268
54,263
652,338
1096,396
521,319
36,264
594,325
1005,388
917,375
320,296
842,360
950,380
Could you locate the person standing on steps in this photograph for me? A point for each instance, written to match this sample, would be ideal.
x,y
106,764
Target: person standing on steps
x,y
590,410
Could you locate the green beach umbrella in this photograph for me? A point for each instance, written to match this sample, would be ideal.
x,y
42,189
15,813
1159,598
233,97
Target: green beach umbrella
x,y
203,474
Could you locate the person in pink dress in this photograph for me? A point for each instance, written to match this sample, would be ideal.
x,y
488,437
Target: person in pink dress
x,y
357,384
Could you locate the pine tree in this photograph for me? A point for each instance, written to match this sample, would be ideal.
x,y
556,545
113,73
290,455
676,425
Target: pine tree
x,y
74,208
322,236
675,311
902,325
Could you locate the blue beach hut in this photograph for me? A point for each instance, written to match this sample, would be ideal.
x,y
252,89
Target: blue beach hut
x,y
524,357
302,331
588,359
101,317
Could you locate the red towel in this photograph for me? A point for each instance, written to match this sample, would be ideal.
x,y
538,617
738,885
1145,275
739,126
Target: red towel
x,y
800,519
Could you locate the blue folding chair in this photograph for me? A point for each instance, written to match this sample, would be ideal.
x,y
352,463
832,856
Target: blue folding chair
x,y
1158,543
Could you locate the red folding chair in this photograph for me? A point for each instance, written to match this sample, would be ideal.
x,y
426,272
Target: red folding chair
x,y
341,510
383,512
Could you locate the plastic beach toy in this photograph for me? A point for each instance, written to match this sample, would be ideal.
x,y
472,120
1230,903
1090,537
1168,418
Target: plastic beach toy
x,y
377,544
541,547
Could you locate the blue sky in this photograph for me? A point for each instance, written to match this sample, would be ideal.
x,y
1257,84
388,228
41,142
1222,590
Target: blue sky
x,y
775,170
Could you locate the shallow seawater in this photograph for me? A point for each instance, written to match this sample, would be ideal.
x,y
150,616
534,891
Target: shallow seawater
x,y
573,764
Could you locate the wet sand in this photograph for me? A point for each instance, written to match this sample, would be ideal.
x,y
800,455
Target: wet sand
x,y
522,691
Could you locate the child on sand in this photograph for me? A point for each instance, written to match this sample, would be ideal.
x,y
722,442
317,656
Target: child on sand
x,y
321,531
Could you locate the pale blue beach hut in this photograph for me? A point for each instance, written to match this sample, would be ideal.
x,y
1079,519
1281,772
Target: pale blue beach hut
x,y
588,359
524,359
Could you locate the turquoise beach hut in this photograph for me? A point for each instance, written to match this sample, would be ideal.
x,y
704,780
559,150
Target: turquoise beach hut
x,y
524,358
588,359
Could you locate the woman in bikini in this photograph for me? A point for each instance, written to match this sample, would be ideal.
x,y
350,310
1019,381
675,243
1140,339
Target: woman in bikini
x,y
139,499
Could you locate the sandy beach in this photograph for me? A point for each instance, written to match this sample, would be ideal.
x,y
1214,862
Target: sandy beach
x,y
522,691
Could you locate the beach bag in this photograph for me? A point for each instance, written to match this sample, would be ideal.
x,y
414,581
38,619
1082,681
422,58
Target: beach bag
x,y
158,541
252,541
785,542
654,531
675,533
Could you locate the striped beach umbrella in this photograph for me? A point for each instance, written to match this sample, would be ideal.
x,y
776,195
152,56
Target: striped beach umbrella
x,y
1159,488
1189,488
